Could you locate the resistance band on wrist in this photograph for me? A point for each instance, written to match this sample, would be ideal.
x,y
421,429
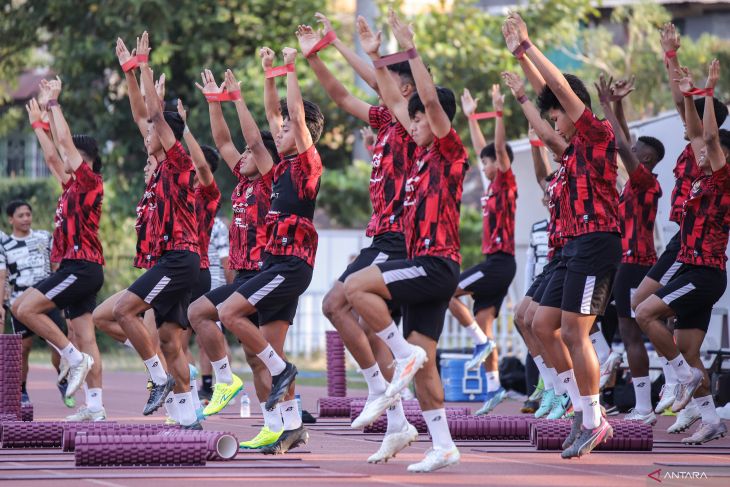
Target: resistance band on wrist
x,y
39,124
134,62
520,50
699,92
537,143
223,96
398,57
325,41
275,71
485,115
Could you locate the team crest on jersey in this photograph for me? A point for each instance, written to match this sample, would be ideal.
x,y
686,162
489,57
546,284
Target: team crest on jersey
x,y
696,187
249,191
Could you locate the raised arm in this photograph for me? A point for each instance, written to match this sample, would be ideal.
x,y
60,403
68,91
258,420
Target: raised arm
x,y
218,126
539,160
469,106
151,100
250,130
50,153
500,137
603,87
620,90
711,133
69,153
543,129
533,75
692,122
389,91
335,90
136,100
295,104
271,96
202,169
515,33
363,68
437,118
670,41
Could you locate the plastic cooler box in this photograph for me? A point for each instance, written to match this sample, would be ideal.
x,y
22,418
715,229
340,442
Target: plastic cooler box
x,y
461,385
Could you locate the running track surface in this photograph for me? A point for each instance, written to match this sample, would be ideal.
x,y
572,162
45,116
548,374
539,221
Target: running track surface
x,y
335,455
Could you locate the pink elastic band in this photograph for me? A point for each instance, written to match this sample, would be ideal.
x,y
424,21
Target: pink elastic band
x,y
279,70
39,124
134,61
223,96
699,92
537,143
325,41
398,57
485,115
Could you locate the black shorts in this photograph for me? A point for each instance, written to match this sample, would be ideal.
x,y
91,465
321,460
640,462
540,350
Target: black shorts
x,y
73,286
386,247
550,292
167,286
535,285
25,332
591,261
275,290
692,293
628,278
667,265
536,291
424,286
489,281
201,286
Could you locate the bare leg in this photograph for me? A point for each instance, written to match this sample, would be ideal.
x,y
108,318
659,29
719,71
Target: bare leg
x,y
485,319
30,308
367,292
460,311
171,337
574,330
635,349
546,326
86,338
234,314
103,318
339,312
126,313
651,315
429,390
689,342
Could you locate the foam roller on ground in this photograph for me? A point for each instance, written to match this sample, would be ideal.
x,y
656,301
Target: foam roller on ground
x,y
71,430
10,374
627,436
220,445
32,434
489,427
334,407
138,450
26,412
336,374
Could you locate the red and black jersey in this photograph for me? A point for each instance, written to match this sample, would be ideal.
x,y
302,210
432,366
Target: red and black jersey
x,y
77,218
554,192
686,171
145,225
393,148
706,221
207,201
590,199
248,234
637,208
175,195
433,199
499,204
293,196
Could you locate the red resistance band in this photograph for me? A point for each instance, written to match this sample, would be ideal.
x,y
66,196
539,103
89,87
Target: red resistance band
x,y
325,41
134,61
223,96
398,57
700,92
520,50
669,55
485,115
39,124
275,71
537,143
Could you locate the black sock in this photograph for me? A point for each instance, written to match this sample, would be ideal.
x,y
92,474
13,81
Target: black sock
x,y
207,382
22,388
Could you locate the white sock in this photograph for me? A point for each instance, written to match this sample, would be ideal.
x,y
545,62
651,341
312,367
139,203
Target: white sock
x,y
185,408
540,363
222,371
396,343
171,407
591,411
93,400
681,368
272,419
439,429
375,380
476,333
670,378
493,380
154,367
128,343
194,392
601,346
71,354
559,384
553,376
567,379
642,391
396,418
290,415
706,405
272,361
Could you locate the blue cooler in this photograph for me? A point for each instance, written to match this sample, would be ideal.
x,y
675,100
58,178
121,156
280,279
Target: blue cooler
x,y
461,385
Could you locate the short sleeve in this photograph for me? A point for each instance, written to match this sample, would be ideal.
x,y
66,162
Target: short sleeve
x,y
505,180
592,129
379,116
86,177
451,147
308,166
210,192
178,159
642,178
721,177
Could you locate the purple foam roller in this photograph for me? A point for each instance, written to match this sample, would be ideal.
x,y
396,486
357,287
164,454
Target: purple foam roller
x,y
72,430
138,450
26,412
334,407
10,374
220,445
336,378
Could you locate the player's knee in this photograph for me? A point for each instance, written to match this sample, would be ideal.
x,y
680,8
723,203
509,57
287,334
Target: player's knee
x,y
570,336
644,315
198,311
333,302
227,314
354,285
122,309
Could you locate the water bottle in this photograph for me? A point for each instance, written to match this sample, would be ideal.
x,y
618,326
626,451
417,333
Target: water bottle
x,y
299,403
245,406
